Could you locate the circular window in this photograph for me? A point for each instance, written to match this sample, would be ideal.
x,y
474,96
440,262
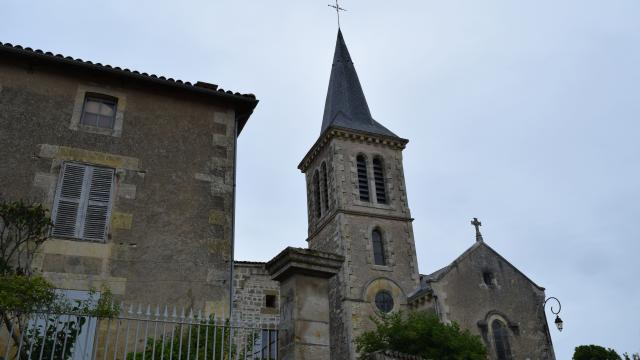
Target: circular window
x,y
384,301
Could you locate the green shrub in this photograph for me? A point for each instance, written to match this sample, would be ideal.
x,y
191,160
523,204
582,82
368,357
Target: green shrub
x,y
422,334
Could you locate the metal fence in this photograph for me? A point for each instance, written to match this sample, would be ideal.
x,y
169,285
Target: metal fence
x,y
139,333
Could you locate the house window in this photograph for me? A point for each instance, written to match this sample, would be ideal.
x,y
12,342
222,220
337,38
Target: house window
x,y
316,194
378,248
325,187
82,206
384,301
363,180
378,177
501,340
99,111
270,301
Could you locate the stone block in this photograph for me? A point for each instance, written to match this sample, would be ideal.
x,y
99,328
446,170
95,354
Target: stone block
x,y
217,202
127,191
219,151
219,129
121,220
216,231
66,153
72,264
217,217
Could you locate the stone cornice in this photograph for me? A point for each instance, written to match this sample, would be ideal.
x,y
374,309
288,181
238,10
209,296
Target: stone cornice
x,y
348,134
304,261
328,219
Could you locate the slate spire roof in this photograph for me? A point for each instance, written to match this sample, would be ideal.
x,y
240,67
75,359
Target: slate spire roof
x,y
346,107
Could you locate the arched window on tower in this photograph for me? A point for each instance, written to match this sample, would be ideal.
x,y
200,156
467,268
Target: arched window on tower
x,y
316,194
378,177
363,180
378,248
325,187
501,340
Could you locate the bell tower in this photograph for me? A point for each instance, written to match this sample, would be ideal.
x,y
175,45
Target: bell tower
x,y
358,208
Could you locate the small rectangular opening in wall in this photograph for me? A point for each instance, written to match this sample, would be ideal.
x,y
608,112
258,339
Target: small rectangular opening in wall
x,y
270,301
488,278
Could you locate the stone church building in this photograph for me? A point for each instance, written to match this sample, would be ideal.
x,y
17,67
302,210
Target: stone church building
x,y
138,171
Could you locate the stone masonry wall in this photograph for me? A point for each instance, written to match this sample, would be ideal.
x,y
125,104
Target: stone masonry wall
x,y
168,239
252,284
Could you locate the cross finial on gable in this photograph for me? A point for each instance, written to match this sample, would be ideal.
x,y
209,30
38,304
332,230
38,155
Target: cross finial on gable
x,y
338,9
477,225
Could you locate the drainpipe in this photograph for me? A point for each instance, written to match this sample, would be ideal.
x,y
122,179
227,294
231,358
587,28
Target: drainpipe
x,y
233,215
233,228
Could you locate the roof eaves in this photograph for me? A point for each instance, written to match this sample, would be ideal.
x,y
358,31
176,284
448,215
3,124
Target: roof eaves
x,y
326,135
244,102
512,266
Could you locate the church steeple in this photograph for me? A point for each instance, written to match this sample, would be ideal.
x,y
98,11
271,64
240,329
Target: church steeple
x,y
357,207
346,106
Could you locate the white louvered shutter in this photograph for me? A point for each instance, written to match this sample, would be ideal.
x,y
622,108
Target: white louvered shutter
x,y
83,202
98,204
69,201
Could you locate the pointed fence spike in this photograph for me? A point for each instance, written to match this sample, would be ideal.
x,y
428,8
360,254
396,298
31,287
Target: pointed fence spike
x,y
199,314
148,310
139,309
175,314
131,309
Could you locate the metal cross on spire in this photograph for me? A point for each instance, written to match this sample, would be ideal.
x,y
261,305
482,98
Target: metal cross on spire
x,y
338,9
477,225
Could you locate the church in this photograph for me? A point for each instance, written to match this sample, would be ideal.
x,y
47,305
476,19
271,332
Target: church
x,y
138,171
357,207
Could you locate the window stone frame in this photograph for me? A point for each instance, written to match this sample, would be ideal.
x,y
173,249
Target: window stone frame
x,y
386,245
78,106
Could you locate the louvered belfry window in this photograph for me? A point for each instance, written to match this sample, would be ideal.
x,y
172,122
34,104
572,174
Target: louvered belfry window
x,y
378,248
363,180
82,206
325,187
316,194
378,177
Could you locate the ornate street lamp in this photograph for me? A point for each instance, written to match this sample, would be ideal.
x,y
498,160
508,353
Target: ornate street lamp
x,y
558,321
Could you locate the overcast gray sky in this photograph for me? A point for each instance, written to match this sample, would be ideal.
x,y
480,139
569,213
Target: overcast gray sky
x,y
521,113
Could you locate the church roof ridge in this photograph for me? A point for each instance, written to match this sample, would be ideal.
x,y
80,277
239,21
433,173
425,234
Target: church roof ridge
x,y
345,105
439,274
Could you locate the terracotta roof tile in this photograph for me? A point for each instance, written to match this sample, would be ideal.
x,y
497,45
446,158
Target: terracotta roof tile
x,y
243,103
38,52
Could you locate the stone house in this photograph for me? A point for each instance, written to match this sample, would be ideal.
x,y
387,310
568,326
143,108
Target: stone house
x,y
137,170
